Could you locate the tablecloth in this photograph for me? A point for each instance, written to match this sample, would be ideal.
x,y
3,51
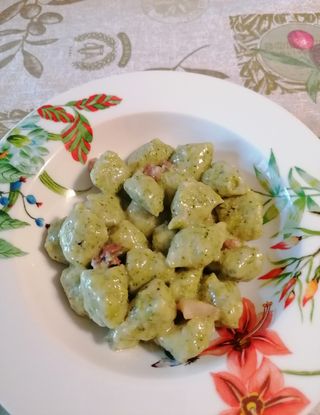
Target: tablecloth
x,y
49,46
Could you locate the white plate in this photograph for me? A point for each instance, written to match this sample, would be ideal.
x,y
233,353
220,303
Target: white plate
x,y
53,362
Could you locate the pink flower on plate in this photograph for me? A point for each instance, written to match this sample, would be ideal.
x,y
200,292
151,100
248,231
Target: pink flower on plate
x,y
263,393
299,39
241,344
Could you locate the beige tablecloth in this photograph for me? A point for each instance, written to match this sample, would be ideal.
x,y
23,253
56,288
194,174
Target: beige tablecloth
x,y
49,46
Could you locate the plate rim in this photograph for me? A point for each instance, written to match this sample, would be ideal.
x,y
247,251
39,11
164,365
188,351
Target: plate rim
x,y
164,74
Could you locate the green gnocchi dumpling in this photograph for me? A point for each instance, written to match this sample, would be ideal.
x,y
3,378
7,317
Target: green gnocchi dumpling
x,y
145,191
226,296
186,284
243,215
143,265
82,235
123,337
193,159
170,181
128,236
196,246
241,264
162,237
193,204
70,281
225,180
107,207
154,152
109,172
52,242
189,339
105,295
142,219
151,314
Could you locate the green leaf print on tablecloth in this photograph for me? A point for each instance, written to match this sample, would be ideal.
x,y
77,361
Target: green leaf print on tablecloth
x,y
36,25
207,72
284,54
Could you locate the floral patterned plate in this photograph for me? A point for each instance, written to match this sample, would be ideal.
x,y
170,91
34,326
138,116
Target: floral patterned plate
x,y
53,362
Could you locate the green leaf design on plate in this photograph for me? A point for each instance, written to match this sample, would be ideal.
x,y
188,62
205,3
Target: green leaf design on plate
x,y
54,137
6,222
287,60
312,205
52,185
296,211
18,140
95,102
308,231
7,250
77,138
270,178
294,184
312,85
271,213
42,151
25,152
37,160
274,172
285,261
55,187
262,179
38,133
8,173
55,113
312,181
301,372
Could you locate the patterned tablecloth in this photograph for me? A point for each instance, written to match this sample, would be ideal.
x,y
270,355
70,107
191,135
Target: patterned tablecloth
x,y
49,46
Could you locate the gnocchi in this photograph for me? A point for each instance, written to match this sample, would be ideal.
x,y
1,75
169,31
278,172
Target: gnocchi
x,y
141,251
52,243
105,294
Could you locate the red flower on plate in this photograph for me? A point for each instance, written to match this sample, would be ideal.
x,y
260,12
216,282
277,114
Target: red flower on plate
x,y
287,287
273,274
241,344
291,297
287,243
311,289
263,393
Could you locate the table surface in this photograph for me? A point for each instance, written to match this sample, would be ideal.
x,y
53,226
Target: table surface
x,y
49,46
